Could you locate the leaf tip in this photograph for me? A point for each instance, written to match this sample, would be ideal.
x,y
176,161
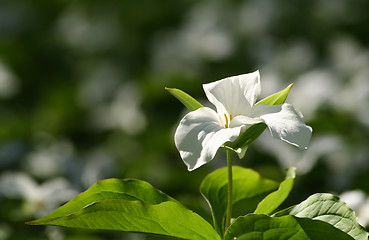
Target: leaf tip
x,y
290,172
171,90
32,222
290,86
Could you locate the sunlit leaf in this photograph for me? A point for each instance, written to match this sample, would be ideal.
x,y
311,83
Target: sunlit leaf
x,y
331,209
126,189
274,199
276,98
259,226
191,103
248,189
132,206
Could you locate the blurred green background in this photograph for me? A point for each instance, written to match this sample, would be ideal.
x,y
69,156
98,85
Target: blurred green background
x,y
82,97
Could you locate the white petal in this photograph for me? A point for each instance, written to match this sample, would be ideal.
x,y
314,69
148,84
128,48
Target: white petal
x,y
199,136
234,95
244,120
286,123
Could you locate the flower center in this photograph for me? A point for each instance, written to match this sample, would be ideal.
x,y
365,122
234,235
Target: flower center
x,y
227,122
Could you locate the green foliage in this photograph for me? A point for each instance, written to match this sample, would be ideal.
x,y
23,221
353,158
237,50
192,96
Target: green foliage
x,y
126,189
191,103
273,200
276,98
130,205
258,226
135,206
248,189
331,209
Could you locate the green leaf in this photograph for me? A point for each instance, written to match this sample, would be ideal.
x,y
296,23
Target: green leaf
x,y
244,140
191,103
248,189
277,98
273,200
331,209
127,189
258,226
130,205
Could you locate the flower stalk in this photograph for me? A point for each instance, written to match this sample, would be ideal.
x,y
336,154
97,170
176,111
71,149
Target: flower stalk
x,y
230,190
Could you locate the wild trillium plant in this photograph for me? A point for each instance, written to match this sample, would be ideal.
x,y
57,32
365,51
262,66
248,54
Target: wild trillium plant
x,y
243,204
203,131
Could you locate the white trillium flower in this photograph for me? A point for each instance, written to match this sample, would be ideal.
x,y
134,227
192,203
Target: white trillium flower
x,y
202,132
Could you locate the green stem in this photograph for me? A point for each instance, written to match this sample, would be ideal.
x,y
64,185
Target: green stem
x,y
230,188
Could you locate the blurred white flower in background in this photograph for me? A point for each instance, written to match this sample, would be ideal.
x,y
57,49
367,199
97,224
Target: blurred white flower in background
x,y
254,17
9,83
204,36
343,161
38,199
287,59
304,161
332,11
54,233
345,164
271,82
125,111
341,86
351,61
122,112
49,159
113,103
358,201
88,33
348,56
100,81
99,165
314,89
354,96
5,231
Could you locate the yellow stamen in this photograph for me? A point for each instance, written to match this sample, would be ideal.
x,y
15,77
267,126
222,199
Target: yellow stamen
x,y
226,119
227,122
